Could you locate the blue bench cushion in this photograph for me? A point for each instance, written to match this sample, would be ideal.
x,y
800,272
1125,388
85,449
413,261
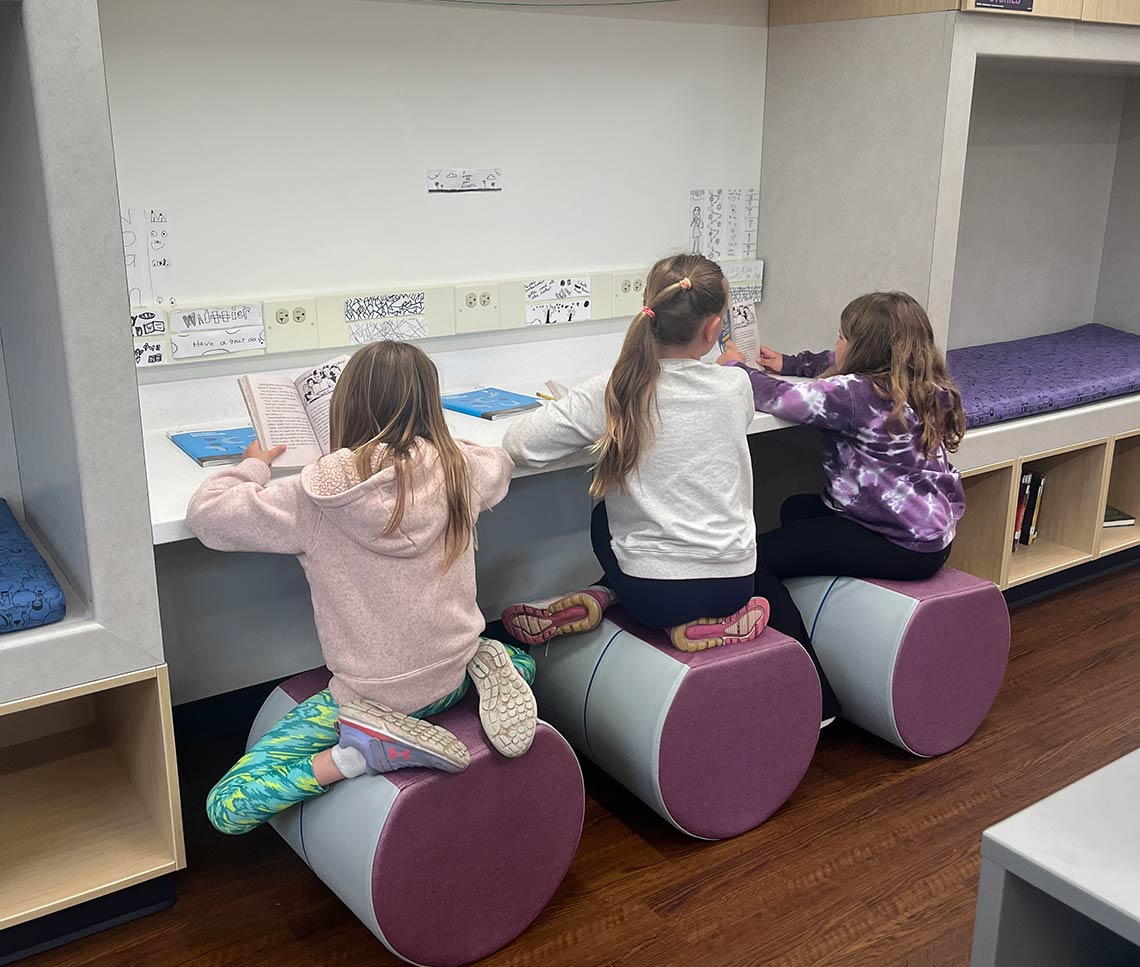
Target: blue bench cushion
x,y
30,596
1007,380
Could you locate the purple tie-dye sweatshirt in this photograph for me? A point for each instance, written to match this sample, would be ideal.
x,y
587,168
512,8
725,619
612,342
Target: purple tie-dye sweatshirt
x,y
876,472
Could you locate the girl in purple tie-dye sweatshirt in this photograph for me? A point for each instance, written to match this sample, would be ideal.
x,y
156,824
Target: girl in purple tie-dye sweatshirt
x,y
889,414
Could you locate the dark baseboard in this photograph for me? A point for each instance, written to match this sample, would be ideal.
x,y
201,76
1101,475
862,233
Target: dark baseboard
x,y
84,919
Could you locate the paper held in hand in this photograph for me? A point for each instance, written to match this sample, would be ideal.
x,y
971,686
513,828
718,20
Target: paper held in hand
x,y
293,412
741,327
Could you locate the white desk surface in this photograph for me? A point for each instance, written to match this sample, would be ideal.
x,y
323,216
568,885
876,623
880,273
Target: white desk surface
x,y
1081,846
172,477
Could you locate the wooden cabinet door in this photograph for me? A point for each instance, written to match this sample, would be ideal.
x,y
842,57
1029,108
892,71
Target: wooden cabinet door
x,y
1112,11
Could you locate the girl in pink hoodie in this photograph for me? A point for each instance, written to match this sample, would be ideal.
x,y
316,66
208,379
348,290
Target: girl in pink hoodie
x,y
384,529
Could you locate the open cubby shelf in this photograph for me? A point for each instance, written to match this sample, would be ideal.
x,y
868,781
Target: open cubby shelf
x,y
88,794
1124,493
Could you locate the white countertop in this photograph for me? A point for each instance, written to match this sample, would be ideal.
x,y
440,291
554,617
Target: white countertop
x,y
1081,846
172,477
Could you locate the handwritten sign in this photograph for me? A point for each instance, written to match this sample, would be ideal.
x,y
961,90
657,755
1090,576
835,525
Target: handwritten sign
x,y
216,317
549,313
217,342
147,322
546,290
750,271
378,330
464,179
384,306
160,255
151,352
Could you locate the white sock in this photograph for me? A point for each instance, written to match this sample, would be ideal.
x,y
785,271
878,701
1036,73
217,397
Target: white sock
x,y
349,761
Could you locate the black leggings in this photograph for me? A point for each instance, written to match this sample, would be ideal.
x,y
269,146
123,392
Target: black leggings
x,y
659,603
813,539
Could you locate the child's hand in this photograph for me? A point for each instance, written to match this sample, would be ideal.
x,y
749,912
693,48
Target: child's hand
x,y
771,360
254,452
730,355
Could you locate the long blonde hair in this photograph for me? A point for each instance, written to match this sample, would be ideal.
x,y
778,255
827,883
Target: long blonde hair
x,y
386,400
681,293
890,341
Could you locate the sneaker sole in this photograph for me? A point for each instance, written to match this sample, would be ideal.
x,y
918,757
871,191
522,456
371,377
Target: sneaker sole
x,y
569,615
395,739
507,707
744,626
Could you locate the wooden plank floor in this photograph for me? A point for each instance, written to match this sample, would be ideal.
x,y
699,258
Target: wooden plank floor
x,y
874,861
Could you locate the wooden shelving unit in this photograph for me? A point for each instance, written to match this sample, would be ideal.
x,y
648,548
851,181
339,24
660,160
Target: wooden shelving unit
x,y
88,794
978,549
1071,512
1123,492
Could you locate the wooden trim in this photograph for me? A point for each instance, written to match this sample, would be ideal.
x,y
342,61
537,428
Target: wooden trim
x,y
1045,454
981,546
1064,9
1112,12
782,13
1122,488
87,688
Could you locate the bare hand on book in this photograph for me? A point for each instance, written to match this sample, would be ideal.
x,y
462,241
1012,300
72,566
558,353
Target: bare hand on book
x,y
255,452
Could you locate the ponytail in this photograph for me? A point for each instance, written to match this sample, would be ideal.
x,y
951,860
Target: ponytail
x,y
682,292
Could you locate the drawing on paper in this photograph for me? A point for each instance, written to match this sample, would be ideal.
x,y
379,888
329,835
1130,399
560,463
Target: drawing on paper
x,y
751,270
547,314
464,179
216,317
147,323
751,220
149,353
544,290
158,250
378,330
217,342
715,227
320,382
384,306
732,235
697,201
135,255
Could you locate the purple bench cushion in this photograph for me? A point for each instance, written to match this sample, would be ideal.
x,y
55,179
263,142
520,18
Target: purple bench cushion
x,y
1007,380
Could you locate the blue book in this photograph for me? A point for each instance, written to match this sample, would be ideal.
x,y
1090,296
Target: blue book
x,y
490,403
210,447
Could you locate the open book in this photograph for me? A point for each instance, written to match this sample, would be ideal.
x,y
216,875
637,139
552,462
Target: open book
x,y
293,412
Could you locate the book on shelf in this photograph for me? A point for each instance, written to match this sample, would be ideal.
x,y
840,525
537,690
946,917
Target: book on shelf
x,y
1022,501
490,403
293,413
1115,517
1028,532
210,448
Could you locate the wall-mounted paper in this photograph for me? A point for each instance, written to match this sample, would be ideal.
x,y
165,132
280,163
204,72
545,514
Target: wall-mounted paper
x,y
698,220
135,253
217,342
147,322
378,330
750,271
150,352
751,220
216,317
160,252
722,222
714,233
549,313
747,292
464,179
545,290
733,214
384,306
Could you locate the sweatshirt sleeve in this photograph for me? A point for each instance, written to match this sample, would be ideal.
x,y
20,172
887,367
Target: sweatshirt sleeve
x,y
825,403
490,473
808,363
235,510
561,428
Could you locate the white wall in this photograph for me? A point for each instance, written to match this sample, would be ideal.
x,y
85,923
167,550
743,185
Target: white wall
x,y
1118,298
290,138
1039,171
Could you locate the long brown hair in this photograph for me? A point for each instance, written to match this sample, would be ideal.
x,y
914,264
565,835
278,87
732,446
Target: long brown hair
x,y
681,293
386,400
890,341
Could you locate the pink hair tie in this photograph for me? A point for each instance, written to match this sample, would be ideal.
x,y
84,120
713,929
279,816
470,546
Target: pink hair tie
x,y
645,310
686,283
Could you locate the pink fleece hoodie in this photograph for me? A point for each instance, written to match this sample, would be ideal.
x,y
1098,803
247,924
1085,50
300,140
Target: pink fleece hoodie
x,y
394,626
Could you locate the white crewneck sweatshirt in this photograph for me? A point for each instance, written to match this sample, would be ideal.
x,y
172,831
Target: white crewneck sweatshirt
x,y
688,512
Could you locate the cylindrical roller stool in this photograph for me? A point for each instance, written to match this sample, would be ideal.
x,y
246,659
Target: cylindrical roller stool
x,y
444,869
714,742
917,663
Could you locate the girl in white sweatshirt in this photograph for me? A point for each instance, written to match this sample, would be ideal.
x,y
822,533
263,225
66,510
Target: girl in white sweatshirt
x,y
673,529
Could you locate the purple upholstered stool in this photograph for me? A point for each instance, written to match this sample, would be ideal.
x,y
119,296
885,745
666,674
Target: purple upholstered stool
x,y
917,663
714,742
443,869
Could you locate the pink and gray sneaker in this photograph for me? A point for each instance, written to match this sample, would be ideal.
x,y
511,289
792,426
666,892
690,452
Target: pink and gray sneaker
x,y
536,622
390,740
746,625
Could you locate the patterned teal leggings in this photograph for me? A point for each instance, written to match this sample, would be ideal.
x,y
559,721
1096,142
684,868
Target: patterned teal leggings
x,y
277,771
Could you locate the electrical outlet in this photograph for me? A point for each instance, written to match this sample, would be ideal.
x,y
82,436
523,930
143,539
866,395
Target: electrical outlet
x,y
291,324
629,293
477,306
